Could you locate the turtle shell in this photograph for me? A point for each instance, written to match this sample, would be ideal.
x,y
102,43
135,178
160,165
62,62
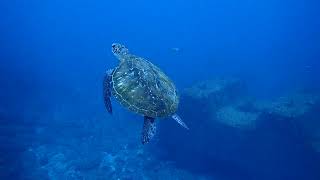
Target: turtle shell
x,y
143,88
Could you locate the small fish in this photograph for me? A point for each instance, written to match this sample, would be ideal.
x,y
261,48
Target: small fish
x,y
175,49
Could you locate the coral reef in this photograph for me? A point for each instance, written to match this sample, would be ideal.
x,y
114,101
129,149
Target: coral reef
x,y
206,98
84,147
216,92
291,106
300,109
234,117
230,133
235,132
127,163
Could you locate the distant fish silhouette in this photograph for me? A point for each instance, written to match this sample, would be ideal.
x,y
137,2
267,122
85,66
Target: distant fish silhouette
x,y
308,68
175,49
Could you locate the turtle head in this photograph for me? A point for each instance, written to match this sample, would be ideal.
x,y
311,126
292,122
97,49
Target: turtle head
x,y
119,50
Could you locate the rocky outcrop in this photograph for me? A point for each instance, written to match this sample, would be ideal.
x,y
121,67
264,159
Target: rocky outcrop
x,y
233,133
290,106
234,117
215,93
211,98
302,110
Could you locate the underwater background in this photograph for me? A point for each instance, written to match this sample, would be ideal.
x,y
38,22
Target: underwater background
x,y
248,75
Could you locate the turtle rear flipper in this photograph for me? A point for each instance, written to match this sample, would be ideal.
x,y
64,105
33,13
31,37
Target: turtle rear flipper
x,y
107,90
148,130
179,121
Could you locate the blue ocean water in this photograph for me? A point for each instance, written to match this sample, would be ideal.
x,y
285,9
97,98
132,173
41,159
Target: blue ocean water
x,y
247,73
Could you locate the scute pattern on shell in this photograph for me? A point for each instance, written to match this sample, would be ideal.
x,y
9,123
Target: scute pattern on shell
x,y
143,88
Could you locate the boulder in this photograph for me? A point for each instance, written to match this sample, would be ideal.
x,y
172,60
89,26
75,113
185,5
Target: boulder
x,y
215,93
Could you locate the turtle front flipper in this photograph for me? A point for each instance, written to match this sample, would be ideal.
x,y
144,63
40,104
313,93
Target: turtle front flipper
x,y
148,130
107,90
179,120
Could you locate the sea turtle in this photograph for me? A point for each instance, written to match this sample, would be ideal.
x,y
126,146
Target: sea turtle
x,y
142,88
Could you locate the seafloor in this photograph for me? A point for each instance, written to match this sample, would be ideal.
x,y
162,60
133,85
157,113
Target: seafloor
x,y
231,135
